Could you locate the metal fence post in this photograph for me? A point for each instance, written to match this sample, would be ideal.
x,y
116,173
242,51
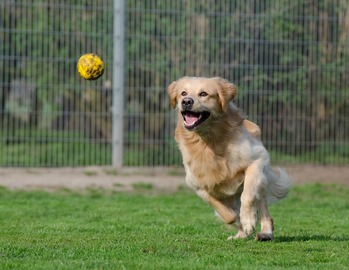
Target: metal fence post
x,y
118,83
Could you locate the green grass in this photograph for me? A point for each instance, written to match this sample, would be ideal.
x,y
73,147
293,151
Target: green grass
x,y
145,230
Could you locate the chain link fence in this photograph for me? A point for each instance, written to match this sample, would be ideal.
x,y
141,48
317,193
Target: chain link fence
x,y
289,59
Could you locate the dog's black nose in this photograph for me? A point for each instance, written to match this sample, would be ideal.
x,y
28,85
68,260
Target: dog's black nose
x,y
187,103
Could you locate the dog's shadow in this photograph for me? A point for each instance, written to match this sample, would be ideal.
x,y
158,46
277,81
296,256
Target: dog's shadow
x,y
303,238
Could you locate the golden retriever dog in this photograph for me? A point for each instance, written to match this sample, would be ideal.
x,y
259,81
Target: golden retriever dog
x,y
224,158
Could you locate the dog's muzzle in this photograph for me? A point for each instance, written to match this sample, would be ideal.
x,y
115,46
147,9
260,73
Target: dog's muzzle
x,y
191,118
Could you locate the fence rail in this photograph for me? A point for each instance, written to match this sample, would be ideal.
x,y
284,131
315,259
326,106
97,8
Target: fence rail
x,y
289,59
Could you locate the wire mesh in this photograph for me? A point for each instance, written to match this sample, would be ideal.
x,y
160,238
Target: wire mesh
x,y
289,60
48,115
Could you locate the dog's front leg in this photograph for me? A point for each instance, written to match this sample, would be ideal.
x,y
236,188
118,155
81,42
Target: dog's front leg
x,y
254,179
226,214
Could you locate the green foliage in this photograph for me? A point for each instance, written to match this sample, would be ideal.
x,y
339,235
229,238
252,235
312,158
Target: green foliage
x,y
66,230
80,153
289,60
153,155
37,148
72,149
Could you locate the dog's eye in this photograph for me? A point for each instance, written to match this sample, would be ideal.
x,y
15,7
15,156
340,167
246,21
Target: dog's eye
x,y
184,94
203,94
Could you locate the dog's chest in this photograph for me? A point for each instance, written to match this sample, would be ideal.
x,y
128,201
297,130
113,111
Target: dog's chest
x,y
221,175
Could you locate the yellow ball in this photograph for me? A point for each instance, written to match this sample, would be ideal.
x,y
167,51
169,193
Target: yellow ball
x,y
90,66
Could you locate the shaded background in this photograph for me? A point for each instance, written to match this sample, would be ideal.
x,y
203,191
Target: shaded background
x,y
289,60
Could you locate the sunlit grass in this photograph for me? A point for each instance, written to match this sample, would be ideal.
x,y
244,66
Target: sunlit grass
x,y
146,230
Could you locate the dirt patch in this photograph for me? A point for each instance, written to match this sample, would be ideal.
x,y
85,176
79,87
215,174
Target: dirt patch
x,y
127,179
319,174
81,178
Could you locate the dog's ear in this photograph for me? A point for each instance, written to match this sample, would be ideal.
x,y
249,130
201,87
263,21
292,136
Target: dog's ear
x,y
226,92
171,90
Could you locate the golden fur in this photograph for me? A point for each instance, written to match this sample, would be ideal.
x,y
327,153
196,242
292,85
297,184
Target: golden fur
x,y
224,158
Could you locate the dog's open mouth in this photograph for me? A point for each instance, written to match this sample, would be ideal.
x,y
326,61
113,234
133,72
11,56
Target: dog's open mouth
x,y
194,119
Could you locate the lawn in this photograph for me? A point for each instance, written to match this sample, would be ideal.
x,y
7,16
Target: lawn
x,y
150,230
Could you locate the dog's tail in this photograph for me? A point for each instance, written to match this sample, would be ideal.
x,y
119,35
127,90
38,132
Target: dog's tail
x,y
278,184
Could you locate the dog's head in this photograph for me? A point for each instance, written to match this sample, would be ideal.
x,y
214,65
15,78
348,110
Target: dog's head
x,y
199,99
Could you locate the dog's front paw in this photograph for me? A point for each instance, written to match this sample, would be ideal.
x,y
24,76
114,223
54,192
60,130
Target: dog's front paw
x,y
248,221
239,235
248,229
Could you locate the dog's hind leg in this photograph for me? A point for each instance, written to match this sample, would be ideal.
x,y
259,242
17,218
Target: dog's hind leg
x,y
234,203
267,226
227,214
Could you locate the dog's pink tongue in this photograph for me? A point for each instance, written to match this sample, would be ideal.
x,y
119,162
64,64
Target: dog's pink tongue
x,y
190,119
